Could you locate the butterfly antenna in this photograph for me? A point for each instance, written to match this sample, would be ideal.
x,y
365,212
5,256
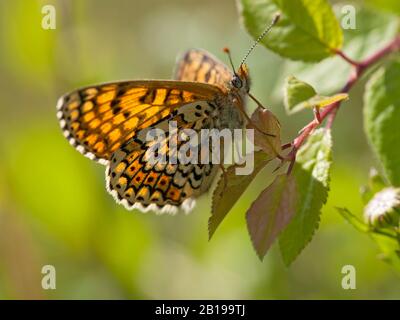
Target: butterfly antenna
x,y
262,35
228,52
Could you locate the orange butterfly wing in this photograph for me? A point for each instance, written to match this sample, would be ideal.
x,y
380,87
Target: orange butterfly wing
x,y
163,186
97,120
200,66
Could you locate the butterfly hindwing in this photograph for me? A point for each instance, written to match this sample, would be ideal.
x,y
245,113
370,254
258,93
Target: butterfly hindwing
x,y
164,185
98,120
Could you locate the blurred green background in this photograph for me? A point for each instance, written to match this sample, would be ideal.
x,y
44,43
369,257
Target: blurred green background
x,y
54,208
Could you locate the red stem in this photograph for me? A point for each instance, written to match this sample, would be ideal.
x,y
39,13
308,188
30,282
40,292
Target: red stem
x,y
331,110
346,58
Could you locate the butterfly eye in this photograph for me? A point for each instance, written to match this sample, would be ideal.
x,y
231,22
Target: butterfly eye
x,y
236,82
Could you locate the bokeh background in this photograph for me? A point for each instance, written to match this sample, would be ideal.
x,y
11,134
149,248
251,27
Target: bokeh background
x,y
54,208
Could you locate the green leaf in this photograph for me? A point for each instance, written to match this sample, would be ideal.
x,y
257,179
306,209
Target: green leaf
x,y
374,30
271,212
308,29
311,172
355,221
295,93
323,101
230,188
299,95
382,118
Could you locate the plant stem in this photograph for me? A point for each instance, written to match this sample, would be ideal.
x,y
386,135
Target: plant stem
x,y
330,111
346,58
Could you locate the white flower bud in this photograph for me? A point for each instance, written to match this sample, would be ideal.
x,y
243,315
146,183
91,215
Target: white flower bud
x,y
383,209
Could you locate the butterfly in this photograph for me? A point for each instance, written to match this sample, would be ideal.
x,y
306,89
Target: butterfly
x,y
108,123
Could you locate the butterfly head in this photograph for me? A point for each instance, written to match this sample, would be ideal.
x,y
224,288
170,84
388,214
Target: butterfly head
x,y
241,79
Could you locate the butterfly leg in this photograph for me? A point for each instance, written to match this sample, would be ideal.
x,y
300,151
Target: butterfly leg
x,y
256,101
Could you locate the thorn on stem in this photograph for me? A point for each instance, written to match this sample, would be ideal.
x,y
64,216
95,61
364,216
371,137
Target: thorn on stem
x,y
286,146
317,115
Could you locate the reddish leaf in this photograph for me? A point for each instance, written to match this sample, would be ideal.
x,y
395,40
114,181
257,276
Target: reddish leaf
x,y
271,212
225,196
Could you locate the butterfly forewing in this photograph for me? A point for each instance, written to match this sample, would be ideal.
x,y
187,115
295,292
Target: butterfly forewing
x,y
97,120
200,66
